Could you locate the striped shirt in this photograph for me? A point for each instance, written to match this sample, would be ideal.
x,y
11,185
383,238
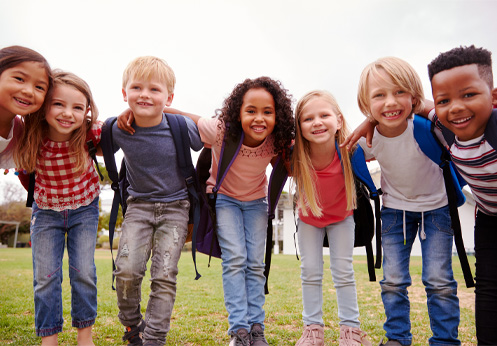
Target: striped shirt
x,y
476,160
58,186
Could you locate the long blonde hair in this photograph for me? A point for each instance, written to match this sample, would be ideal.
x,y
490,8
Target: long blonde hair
x,y
36,127
303,173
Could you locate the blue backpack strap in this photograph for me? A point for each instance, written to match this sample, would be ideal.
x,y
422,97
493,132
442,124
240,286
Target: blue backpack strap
x,y
361,173
106,143
181,138
431,147
277,181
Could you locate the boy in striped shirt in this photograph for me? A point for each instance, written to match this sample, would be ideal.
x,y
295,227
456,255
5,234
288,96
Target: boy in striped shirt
x,y
464,96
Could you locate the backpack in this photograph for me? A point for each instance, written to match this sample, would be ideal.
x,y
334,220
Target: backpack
x,y
433,148
29,180
179,131
206,240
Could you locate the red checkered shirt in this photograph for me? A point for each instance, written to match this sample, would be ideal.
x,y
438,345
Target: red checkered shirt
x,y
58,187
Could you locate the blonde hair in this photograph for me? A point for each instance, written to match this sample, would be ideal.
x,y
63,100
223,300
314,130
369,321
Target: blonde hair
x,y
36,126
303,175
402,75
148,67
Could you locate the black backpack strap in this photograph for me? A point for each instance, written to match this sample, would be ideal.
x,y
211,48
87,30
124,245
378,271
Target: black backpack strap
x,y
179,131
92,151
31,190
491,130
277,181
107,146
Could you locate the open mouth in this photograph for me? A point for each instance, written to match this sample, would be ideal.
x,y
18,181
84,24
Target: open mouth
x,y
258,129
392,114
317,132
65,123
461,121
22,102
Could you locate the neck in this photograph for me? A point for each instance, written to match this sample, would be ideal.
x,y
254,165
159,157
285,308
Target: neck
x,y
148,121
6,124
392,132
322,154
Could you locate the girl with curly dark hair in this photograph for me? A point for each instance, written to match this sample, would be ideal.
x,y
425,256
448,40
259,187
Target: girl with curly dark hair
x,y
261,110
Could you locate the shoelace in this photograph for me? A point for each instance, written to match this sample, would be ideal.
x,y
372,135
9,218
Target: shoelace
x,y
353,337
242,341
310,333
257,335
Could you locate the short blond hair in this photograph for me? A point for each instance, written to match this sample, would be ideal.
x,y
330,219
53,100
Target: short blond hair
x,y
401,73
148,67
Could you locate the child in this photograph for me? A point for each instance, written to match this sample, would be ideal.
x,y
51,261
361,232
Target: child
x,y
156,219
66,205
317,167
414,199
462,86
25,78
261,109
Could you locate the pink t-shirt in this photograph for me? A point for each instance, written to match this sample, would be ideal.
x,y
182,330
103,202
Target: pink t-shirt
x,y
330,186
246,179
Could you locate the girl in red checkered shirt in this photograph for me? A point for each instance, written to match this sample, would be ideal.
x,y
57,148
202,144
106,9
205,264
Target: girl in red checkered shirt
x,y
25,78
66,205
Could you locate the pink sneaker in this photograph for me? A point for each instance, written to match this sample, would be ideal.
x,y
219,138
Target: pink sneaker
x,y
350,336
313,335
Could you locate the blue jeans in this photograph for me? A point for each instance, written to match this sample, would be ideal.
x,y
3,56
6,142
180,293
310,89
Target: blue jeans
x,y
341,241
486,278
149,228
48,238
437,276
241,230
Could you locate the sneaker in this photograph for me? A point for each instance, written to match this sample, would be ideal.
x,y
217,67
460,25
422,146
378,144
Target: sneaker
x,y
313,335
133,334
257,336
240,338
390,343
350,336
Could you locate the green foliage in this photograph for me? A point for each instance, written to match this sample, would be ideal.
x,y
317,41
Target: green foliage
x,y
199,316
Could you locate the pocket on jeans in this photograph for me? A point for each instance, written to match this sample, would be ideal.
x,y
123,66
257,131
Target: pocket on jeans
x,y
441,220
388,219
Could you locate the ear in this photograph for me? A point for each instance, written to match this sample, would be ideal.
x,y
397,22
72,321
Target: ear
x,y
124,95
494,97
339,121
169,100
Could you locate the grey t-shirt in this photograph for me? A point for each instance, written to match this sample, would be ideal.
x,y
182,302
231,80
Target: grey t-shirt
x,y
151,162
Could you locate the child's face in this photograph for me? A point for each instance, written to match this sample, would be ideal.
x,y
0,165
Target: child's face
x,y
66,112
258,116
463,101
147,99
319,122
23,89
390,105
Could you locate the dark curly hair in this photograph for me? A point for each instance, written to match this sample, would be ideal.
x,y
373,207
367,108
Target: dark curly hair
x,y
464,56
284,130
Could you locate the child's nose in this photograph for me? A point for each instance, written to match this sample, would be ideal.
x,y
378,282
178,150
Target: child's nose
x,y
28,89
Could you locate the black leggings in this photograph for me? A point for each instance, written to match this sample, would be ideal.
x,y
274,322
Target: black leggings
x,y
486,279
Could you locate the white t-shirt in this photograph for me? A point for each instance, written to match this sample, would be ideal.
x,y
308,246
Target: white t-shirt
x,y
409,179
6,159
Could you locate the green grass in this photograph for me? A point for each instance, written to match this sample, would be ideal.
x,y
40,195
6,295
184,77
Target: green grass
x,y
199,316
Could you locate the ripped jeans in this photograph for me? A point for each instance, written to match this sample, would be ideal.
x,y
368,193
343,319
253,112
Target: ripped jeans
x,y
159,229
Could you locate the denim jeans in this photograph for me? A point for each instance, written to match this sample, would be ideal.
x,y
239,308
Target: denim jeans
x,y
341,241
48,238
149,228
241,230
437,276
486,279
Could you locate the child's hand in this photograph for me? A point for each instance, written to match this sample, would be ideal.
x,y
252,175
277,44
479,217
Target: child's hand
x,y
366,129
124,121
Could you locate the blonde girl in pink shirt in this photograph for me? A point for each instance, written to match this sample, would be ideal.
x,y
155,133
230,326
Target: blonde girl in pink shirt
x,y
320,128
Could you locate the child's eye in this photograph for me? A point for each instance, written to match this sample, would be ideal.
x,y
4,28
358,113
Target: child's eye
x,y
58,104
39,87
469,95
19,79
79,108
377,95
400,92
442,102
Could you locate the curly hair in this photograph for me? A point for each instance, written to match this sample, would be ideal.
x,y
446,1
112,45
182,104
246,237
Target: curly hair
x,y
284,130
461,56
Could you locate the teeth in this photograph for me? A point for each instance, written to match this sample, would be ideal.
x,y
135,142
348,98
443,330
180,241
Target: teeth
x,y
319,131
460,121
22,101
391,114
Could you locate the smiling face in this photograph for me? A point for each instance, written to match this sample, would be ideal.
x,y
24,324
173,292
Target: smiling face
x,y
390,105
23,89
257,116
319,123
463,101
147,99
66,112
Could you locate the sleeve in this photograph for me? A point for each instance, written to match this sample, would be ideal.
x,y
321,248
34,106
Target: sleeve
x,y
439,128
368,153
195,141
208,129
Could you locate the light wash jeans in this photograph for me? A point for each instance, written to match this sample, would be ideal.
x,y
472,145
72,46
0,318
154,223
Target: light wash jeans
x,y
48,239
159,229
341,241
437,276
241,230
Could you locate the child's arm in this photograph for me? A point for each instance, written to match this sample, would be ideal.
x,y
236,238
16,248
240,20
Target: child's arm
x,y
194,117
365,129
124,121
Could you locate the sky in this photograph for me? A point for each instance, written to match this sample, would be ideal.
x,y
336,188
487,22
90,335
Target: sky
x,y
212,45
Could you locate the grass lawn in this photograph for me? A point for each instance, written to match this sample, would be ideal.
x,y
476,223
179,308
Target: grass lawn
x,y
199,316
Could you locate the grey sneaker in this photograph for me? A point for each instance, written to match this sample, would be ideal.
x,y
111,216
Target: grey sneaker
x,y
257,336
390,343
240,338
